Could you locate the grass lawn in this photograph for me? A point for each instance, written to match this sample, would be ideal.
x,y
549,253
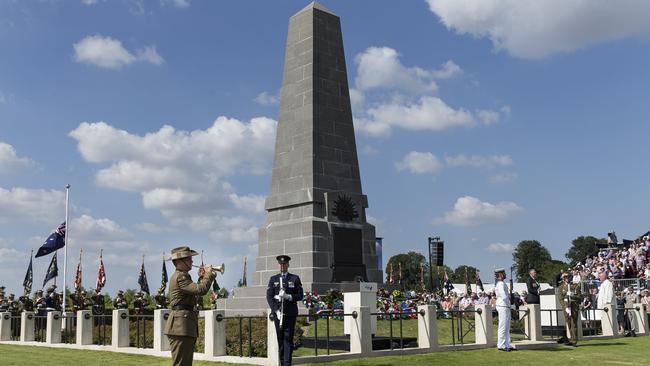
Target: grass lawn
x,y
622,351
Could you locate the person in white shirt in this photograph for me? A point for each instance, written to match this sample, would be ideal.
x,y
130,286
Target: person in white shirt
x,y
503,309
605,295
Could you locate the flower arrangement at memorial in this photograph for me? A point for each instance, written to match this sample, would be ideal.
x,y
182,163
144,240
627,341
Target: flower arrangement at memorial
x,y
311,300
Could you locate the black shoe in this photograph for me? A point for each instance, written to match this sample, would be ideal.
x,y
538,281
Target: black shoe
x,y
504,349
512,349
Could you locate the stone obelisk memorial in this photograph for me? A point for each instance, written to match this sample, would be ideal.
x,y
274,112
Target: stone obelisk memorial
x,y
316,210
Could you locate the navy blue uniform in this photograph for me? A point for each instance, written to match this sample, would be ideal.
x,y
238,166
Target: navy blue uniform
x,y
292,286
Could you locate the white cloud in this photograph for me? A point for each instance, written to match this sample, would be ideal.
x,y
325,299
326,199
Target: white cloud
x,y
535,29
266,99
109,53
10,161
429,113
420,163
470,211
150,54
34,204
478,161
503,178
500,248
182,174
181,3
89,2
381,68
87,231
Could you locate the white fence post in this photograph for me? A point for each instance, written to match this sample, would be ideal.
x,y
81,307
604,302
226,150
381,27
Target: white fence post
x,y
533,327
160,340
272,347
483,325
427,327
360,334
84,329
215,333
27,326
5,326
53,329
120,330
641,319
608,320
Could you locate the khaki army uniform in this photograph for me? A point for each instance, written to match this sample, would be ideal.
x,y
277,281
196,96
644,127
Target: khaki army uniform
x,y
569,297
182,324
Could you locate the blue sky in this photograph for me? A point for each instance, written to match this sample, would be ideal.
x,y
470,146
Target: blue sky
x,y
484,123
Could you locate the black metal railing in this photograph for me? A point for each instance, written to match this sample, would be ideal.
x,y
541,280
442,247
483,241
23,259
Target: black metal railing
x,y
101,332
329,344
462,324
399,317
240,335
40,327
554,330
518,324
69,331
15,327
143,332
590,325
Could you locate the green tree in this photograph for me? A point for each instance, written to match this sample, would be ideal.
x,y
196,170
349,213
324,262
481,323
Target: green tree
x,y
459,274
548,271
581,248
529,254
411,263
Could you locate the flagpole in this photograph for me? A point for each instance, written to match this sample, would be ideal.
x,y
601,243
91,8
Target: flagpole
x,y
65,241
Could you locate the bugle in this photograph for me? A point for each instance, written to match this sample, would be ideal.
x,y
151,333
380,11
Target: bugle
x,y
220,268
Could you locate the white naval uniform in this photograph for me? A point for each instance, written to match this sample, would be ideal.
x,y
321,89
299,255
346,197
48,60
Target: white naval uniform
x,y
503,308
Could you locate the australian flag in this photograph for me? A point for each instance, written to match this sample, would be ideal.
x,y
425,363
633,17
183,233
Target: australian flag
x,y
52,270
29,278
142,280
55,241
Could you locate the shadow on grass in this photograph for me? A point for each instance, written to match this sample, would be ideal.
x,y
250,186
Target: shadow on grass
x,y
602,344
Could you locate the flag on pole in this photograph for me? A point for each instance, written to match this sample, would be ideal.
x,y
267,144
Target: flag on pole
x,y
29,277
467,285
422,274
77,278
448,285
479,283
243,280
101,275
52,270
165,278
55,241
142,280
391,280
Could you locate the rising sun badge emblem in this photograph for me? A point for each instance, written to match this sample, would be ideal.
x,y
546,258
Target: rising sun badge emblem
x,y
344,208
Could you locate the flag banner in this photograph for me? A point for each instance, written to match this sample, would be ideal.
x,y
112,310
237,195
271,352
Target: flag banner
x,y
468,287
77,278
142,280
448,285
479,283
52,270
29,278
55,241
391,280
165,278
101,276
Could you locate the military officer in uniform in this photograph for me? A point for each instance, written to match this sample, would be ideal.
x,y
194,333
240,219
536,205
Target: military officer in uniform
x,y
120,302
283,294
569,297
182,324
503,309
